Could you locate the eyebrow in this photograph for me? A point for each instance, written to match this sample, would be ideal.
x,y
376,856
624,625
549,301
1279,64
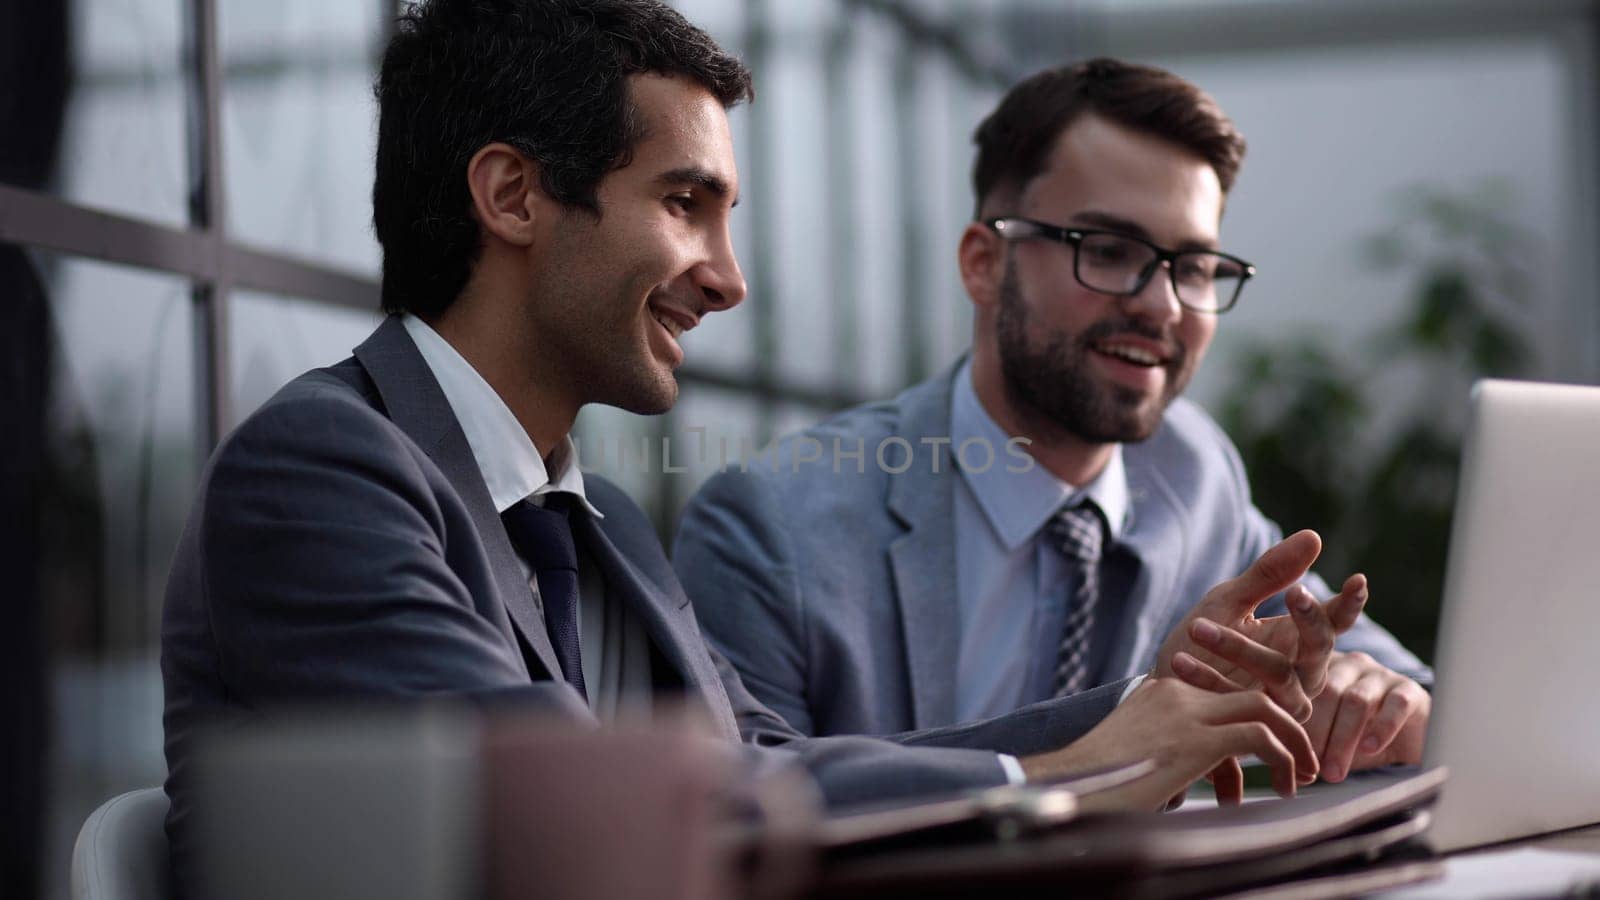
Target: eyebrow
x,y
700,178
1098,218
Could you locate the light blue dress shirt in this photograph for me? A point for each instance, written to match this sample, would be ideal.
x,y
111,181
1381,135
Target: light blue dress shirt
x,y
1013,583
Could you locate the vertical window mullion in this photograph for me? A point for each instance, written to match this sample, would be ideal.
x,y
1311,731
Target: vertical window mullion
x,y
913,227
764,125
208,215
845,244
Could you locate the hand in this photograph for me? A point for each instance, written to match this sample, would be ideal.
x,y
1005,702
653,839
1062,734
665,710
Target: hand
x,y
1368,716
1221,646
1189,732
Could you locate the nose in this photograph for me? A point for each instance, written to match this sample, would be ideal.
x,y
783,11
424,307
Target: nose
x,y
1157,303
718,278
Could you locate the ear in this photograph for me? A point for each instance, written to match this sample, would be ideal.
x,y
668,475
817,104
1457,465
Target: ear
x,y
982,258
505,192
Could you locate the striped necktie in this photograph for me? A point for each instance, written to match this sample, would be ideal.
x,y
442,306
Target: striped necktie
x,y
1078,533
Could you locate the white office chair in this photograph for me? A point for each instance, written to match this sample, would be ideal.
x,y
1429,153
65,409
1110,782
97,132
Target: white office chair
x,y
121,852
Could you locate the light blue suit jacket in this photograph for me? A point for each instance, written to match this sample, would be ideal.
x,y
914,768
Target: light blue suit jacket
x,y
833,590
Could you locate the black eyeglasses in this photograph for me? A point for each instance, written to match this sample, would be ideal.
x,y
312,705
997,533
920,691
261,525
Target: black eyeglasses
x,y
1203,280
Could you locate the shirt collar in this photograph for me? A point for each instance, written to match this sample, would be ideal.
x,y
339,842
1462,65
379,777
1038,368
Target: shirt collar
x,y
512,467
1018,504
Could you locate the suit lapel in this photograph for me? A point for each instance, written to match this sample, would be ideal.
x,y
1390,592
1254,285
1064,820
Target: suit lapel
x,y
669,622
1156,534
923,559
418,406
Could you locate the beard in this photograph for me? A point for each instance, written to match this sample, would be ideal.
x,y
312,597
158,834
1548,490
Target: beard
x,y
642,384
1053,385
647,396
629,377
598,348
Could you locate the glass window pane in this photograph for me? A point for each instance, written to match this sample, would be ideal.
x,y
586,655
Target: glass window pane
x,y
660,461
946,158
711,429
879,266
722,19
123,407
626,449
726,341
792,81
272,339
93,108
101,455
794,417
298,126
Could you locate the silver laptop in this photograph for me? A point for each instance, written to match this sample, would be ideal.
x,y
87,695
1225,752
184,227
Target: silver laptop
x,y
1516,707
1516,711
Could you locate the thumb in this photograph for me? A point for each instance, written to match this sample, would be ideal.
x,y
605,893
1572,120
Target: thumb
x,y
1281,566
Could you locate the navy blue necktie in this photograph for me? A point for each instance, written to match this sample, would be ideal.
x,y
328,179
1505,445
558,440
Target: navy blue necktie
x,y
544,537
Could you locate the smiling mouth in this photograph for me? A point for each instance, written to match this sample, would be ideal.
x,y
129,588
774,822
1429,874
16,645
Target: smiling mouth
x,y
673,319
1128,353
673,326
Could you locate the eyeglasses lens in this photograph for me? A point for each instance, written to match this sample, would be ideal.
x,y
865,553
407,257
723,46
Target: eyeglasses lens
x,y
1118,265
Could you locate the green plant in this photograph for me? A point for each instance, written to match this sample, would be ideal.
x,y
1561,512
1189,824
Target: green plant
x,y
1362,441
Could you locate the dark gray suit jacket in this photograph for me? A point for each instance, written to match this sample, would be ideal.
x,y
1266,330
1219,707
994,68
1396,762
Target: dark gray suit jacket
x,y
343,545
833,590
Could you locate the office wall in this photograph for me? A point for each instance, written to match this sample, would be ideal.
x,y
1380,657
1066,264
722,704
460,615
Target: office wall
x,y
1341,136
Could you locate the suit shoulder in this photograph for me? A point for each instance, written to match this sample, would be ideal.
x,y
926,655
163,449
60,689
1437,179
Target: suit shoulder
x,y
811,470
868,422
316,394
326,412
847,443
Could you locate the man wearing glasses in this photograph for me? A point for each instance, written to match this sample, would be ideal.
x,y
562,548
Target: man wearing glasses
x,y
1035,522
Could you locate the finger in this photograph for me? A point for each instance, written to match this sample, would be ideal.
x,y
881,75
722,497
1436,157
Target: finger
x,y
1342,673
1315,632
1228,779
1244,738
1356,708
1176,801
1398,706
1274,670
1344,608
1321,721
1282,565
1344,669
1201,675
1253,706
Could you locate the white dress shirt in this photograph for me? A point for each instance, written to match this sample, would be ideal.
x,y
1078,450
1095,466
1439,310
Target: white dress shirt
x,y
612,641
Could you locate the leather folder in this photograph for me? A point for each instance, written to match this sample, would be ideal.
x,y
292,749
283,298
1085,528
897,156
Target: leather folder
x,y
1199,853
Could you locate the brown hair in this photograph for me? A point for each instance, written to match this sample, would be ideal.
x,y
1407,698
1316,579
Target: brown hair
x,y
1015,141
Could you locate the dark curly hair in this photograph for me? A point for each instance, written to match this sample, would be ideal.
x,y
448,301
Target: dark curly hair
x,y
549,77
1015,141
